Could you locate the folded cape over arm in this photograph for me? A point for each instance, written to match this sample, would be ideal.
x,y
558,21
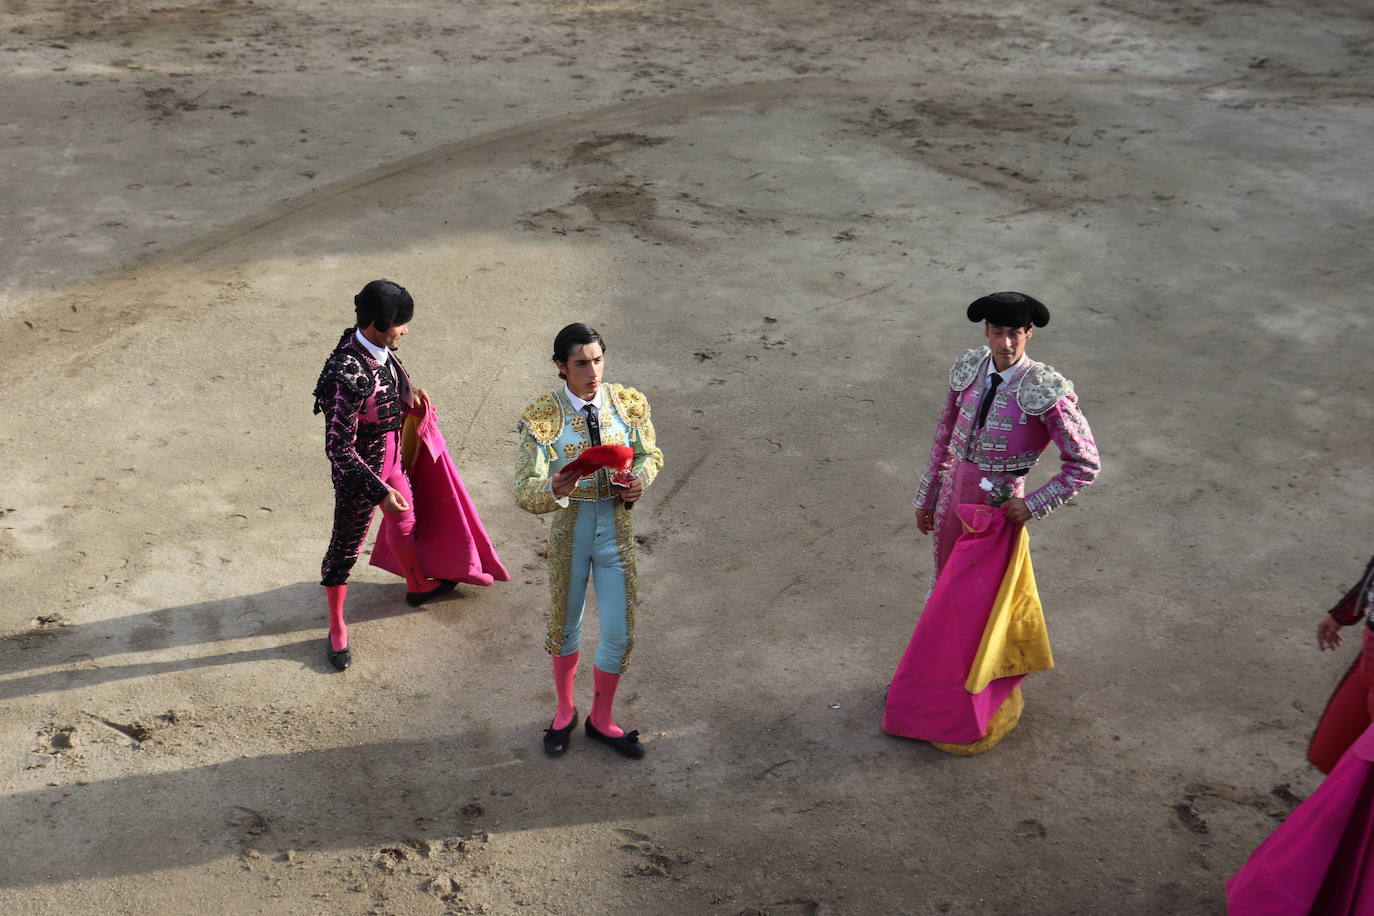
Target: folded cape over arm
x,y
449,536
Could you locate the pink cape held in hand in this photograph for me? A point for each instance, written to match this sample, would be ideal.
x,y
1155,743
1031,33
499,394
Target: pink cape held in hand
x,y
449,537
982,630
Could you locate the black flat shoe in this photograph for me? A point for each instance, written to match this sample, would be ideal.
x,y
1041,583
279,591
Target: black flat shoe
x,y
415,599
340,659
628,743
556,739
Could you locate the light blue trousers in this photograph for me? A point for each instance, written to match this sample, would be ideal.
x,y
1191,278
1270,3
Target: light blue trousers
x,y
598,541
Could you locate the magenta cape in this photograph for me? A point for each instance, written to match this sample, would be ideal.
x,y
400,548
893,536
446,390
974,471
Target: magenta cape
x,y
928,698
1320,860
449,537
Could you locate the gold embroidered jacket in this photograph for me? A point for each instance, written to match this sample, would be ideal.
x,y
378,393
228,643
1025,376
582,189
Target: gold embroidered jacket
x,y
552,434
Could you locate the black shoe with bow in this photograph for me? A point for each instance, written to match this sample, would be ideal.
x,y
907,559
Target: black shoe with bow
x,y
556,739
415,599
628,743
340,659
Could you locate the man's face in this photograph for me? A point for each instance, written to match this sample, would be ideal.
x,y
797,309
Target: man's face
x,y
388,338
583,369
1008,345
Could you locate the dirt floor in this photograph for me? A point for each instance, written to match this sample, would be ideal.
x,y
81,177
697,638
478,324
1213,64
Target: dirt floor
x,y
775,212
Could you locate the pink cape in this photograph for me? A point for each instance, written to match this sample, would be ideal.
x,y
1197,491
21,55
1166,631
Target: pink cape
x,y
928,698
449,537
1320,860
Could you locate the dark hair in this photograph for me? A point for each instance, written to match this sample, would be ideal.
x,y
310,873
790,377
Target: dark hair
x,y
574,335
382,304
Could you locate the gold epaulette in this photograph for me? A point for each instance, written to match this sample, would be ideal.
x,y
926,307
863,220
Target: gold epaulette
x,y
632,406
544,418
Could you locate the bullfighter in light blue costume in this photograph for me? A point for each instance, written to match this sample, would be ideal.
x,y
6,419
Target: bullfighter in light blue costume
x,y
592,534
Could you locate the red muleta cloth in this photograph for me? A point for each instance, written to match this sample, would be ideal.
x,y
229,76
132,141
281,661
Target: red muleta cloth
x,y
616,457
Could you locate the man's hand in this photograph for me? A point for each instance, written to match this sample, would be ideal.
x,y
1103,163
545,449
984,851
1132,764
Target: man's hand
x,y
925,520
564,482
633,491
1016,510
395,502
1329,633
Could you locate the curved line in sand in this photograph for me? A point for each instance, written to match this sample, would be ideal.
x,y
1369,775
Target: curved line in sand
x,y
625,116
517,140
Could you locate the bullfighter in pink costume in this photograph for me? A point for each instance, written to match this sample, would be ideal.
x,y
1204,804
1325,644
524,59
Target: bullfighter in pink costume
x,y
1002,411
364,393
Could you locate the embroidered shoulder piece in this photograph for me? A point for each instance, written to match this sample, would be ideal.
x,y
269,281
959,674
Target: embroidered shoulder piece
x,y
346,370
544,418
632,406
965,368
1042,388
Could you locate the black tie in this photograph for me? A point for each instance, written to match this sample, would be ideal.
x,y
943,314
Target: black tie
x,y
993,381
593,424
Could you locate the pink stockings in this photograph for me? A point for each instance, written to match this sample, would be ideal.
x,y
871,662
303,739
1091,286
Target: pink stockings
x,y
415,582
564,672
602,700
343,550
338,630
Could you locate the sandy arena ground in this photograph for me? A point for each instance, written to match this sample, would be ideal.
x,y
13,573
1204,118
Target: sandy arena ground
x,y
776,212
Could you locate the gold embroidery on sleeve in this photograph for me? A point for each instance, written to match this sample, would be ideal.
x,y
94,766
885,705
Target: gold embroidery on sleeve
x,y
533,483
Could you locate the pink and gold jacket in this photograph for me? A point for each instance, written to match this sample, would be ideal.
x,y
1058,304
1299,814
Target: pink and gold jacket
x,y
1034,407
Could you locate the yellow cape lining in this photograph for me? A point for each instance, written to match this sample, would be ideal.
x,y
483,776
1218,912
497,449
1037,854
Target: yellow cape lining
x,y
1015,640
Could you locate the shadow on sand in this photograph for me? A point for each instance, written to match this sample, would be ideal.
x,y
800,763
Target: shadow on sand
x,y
282,611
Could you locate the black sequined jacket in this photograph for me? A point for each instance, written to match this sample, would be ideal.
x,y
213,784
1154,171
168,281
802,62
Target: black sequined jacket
x,y
361,403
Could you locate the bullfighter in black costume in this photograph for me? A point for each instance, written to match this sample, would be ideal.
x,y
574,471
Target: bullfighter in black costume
x,y
365,393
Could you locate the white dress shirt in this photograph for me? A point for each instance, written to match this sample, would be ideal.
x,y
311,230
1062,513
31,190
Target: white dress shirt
x,y
380,354
1008,372
580,405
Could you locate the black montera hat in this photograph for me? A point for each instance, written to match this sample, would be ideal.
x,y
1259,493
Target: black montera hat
x,y
383,303
1010,310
